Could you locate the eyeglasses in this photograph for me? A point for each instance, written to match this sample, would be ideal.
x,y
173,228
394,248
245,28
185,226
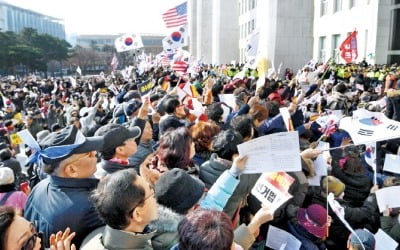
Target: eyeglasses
x,y
143,201
31,241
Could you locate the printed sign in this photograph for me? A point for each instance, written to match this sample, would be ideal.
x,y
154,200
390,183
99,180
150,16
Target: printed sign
x,y
272,189
15,139
145,88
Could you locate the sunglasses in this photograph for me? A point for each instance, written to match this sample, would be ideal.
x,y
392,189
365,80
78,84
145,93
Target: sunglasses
x,y
31,241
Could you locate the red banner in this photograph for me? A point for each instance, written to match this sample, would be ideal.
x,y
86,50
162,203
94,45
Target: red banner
x,y
349,48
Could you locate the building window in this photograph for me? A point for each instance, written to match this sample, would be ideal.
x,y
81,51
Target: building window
x,y
335,44
246,5
396,1
253,25
324,7
395,43
249,27
321,54
337,5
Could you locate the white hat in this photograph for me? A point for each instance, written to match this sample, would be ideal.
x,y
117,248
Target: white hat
x,y
6,176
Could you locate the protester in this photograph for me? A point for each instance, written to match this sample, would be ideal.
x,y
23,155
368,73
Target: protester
x,y
120,146
224,147
389,219
17,232
175,117
126,203
178,193
366,237
205,229
7,160
9,194
62,199
175,150
175,137
145,146
202,134
311,227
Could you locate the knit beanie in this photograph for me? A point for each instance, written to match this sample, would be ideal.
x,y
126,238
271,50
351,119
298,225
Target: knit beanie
x,y
178,191
333,185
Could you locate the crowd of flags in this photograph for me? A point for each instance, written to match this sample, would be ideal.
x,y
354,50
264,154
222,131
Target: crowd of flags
x,y
176,22
172,55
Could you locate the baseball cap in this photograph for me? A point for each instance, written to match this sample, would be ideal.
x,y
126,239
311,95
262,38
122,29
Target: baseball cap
x,y
116,134
60,145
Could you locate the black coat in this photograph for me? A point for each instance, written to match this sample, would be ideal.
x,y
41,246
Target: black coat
x,y
357,186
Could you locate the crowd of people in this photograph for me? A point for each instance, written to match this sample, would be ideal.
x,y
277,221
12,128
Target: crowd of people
x,y
117,168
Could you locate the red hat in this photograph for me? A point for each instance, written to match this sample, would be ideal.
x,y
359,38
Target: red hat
x,y
314,219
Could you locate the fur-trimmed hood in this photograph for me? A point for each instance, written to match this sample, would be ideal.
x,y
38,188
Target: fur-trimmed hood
x,y
167,221
167,228
393,93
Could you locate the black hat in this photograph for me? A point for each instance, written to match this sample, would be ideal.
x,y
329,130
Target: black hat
x,y
131,107
178,191
115,134
73,140
131,94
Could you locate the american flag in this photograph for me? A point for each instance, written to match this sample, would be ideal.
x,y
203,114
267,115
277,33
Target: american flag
x,y
176,16
179,66
165,61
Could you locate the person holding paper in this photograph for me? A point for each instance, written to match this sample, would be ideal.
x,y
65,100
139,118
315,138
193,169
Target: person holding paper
x,y
365,216
390,222
225,149
349,170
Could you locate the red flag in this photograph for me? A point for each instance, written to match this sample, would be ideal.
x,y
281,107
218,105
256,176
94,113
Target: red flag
x,y
349,48
177,16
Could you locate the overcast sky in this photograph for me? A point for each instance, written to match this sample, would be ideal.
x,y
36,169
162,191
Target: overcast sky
x,y
104,16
